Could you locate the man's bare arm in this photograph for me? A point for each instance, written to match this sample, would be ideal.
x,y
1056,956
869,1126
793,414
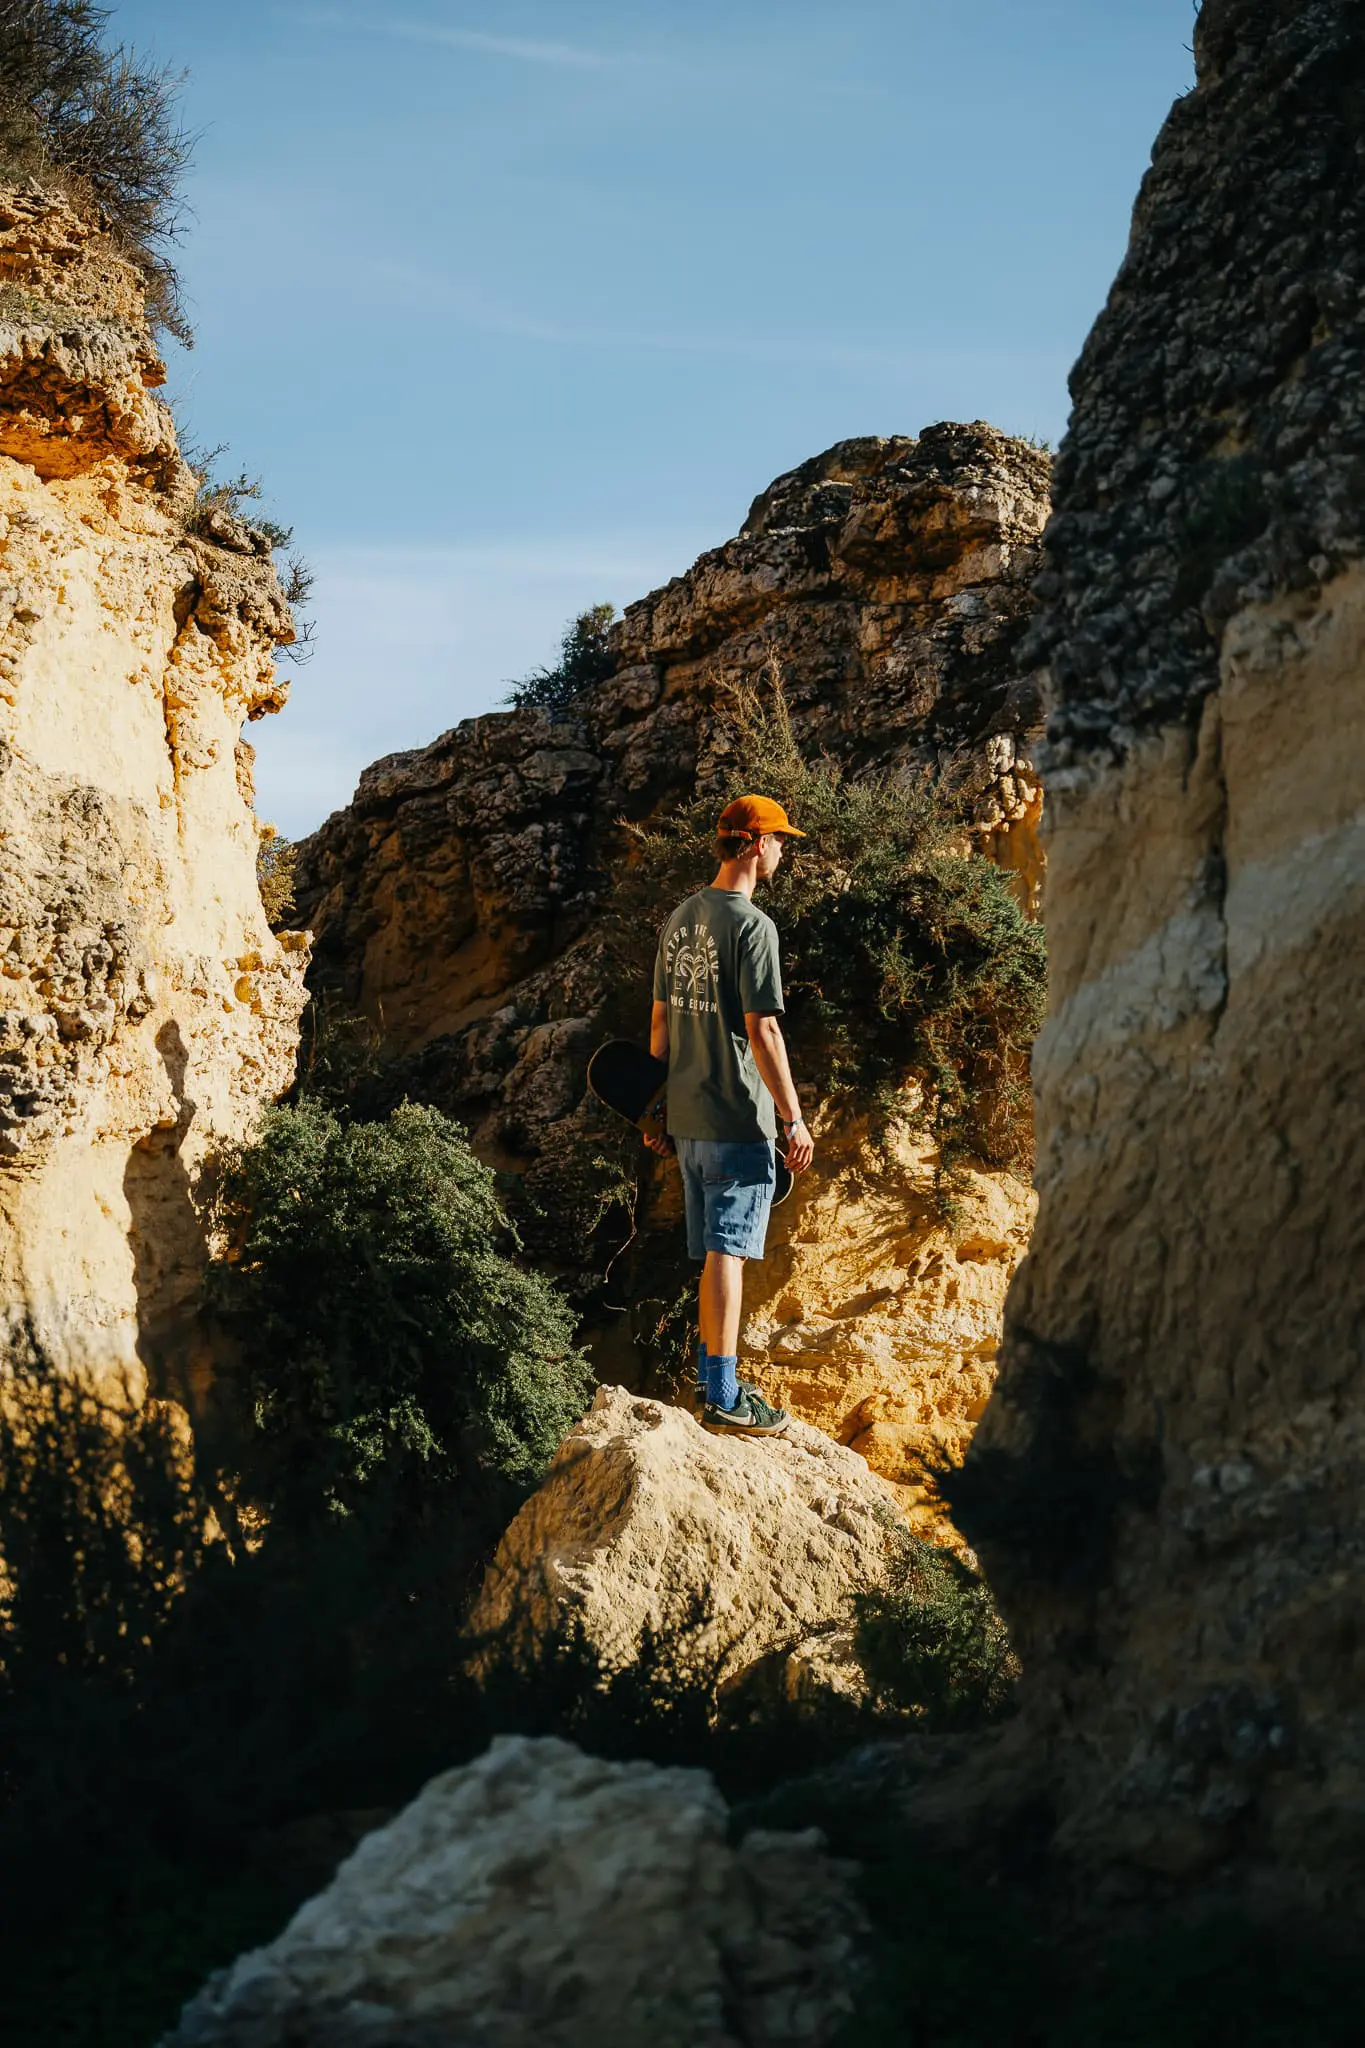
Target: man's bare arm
x,y
770,1057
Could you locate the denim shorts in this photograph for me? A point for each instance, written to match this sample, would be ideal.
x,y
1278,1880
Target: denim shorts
x,y
728,1190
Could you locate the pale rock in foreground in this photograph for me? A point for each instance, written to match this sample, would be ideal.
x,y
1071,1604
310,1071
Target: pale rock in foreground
x,y
539,1896
644,1516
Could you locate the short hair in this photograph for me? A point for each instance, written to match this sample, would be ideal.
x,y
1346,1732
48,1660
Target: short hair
x,y
734,845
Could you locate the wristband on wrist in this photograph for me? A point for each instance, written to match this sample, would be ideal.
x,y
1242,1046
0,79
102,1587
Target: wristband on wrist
x,y
789,1124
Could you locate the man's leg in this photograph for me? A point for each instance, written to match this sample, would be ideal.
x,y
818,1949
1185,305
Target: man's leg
x,y
722,1292
737,1183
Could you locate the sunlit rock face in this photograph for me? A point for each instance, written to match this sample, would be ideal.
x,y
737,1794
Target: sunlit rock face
x,y
889,580
148,1008
1167,1484
457,900
647,1524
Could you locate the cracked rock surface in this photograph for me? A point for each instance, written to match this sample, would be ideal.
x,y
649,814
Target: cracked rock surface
x,y
646,1521
147,1007
1167,1484
539,1898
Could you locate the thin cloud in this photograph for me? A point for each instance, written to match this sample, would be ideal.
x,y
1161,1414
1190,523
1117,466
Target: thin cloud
x,y
411,639
472,309
577,57
521,50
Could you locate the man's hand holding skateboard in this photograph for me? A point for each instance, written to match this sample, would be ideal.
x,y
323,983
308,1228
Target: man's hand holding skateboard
x,y
798,1148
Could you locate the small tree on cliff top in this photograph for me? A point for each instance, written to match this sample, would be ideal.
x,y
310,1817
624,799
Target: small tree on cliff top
x,y
101,122
584,659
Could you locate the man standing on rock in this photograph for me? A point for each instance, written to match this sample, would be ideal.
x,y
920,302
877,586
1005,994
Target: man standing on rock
x,y
717,999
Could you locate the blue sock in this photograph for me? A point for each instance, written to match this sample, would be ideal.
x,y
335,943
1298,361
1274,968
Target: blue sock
x,y
722,1382
701,1367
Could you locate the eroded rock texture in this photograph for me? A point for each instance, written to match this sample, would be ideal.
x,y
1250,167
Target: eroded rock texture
x,y
458,896
890,578
148,1008
647,1521
1167,1484
539,1898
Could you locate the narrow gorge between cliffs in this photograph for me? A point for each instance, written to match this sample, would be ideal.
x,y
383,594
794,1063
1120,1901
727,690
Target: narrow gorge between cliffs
x,y
390,1655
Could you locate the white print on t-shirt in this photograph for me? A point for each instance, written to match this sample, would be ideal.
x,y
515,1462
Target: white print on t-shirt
x,y
692,965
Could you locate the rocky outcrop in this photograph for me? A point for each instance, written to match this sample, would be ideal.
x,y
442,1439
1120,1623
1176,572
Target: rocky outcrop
x,y
543,1899
1167,1486
877,1317
149,1008
888,578
645,1521
458,898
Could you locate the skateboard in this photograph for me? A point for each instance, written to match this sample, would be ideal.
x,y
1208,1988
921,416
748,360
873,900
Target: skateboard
x,y
631,1081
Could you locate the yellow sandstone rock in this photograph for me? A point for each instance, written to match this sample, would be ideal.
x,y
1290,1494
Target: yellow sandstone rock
x,y
131,652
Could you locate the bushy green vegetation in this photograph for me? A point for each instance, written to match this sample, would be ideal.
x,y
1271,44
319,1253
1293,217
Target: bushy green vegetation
x,y
584,659
238,498
101,122
388,1334
907,962
206,1640
931,1641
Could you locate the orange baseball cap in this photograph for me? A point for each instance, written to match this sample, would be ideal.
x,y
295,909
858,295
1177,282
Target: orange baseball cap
x,y
757,814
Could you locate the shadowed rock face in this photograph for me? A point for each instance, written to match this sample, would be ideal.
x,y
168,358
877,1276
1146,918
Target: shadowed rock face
x,y
539,1898
148,1008
1166,1487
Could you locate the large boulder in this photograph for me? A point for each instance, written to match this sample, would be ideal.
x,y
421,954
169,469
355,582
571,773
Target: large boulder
x,y
646,1521
539,1898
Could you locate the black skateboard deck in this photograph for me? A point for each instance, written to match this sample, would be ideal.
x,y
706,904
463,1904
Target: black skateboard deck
x,y
631,1081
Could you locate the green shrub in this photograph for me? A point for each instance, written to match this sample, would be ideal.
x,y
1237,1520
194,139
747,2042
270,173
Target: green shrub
x,y
584,659
101,122
238,498
389,1336
905,960
931,1641
95,1499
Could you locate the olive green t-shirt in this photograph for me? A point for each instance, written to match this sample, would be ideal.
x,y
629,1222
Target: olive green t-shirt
x,y
718,957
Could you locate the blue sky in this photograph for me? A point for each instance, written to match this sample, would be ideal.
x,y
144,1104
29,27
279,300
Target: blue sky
x,y
515,307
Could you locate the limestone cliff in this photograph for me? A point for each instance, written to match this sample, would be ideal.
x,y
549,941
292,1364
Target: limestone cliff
x,y
148,1006
457,899
1166,1487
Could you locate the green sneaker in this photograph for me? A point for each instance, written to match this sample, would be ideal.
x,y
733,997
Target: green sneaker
x,y
750,1416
